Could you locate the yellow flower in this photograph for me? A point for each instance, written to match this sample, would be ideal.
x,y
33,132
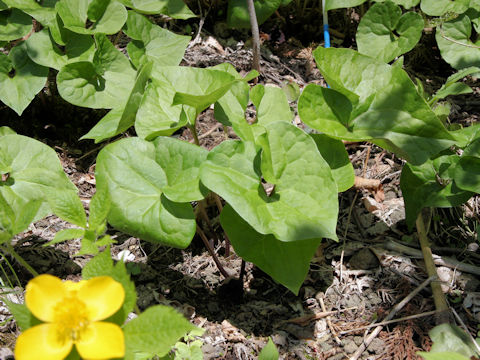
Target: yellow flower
x,y
71,312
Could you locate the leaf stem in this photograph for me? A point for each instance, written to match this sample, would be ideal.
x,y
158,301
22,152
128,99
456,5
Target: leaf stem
x,y
437,293
255,35
212,252
9,249
194,133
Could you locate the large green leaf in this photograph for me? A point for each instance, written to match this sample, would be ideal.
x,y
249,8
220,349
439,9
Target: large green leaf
x,y
181,162
119,120
370,100
338,4
286,262
195,87
335,154
42,49
155,331
176,9
384,33
431,185
440,7
271,103
20,78
456,48
130,171
238,17
108,16
14,24
304,202
407,4
467,173
153,43
36,184
106,82
156,115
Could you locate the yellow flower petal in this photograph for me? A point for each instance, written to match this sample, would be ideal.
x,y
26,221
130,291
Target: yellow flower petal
x,y
42,294
72,286
103,296
102,340
41,342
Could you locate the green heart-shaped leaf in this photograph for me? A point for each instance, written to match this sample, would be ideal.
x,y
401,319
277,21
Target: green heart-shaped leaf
x,y
440,7
74,14
289,157
456,48
130,171
153,43
370,100
21,79
286,262
384,33
14,24
103,83
42,49
238,16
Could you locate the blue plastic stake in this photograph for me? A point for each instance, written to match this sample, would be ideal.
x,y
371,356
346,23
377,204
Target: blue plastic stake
x,y
326,32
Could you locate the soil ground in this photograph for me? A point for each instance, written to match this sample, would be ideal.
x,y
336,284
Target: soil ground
x,y
361,277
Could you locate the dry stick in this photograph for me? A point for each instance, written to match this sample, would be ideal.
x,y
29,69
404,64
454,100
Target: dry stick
x,y
459,319
255,35
329,322
428,313
393,312
212,252
437,293
438,260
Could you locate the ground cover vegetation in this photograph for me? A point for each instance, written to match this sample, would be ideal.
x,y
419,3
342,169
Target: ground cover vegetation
x,y
272,192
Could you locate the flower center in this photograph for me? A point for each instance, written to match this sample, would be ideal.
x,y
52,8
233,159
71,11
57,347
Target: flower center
x,y
71,317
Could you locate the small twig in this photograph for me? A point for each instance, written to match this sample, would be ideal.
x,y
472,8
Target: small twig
x,y
459,319
329,322
212,252
382,323
363,183
456,41
320,315
217,126
345,234
438,260
392,313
